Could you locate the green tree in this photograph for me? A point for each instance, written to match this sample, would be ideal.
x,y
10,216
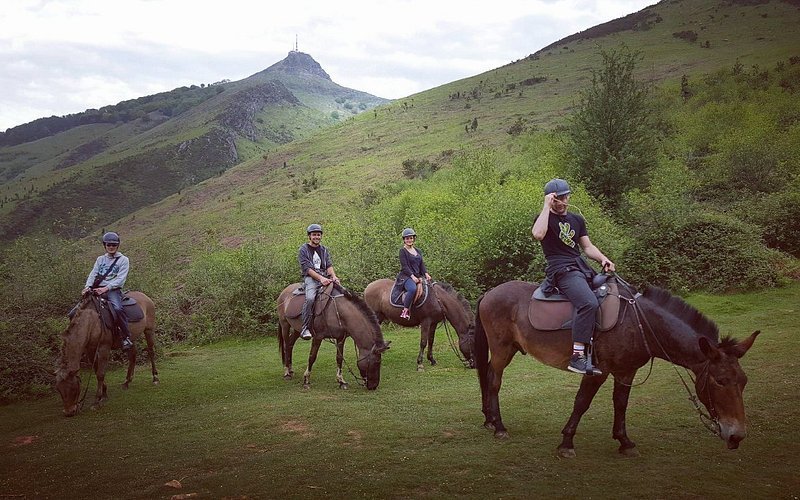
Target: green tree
x,y
612,134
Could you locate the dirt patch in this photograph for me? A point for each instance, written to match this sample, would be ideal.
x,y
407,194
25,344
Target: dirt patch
x,y
23,440
297,427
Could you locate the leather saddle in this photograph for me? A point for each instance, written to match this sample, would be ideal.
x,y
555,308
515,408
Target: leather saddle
x,y
132,310
556,312
293,307
399,292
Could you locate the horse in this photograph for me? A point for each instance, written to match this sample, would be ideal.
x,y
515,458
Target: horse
x,y
337,316
86,333
444,303
653,324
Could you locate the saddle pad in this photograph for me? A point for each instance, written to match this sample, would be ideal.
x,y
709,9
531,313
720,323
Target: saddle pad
x,y
398,292
293,307
557,315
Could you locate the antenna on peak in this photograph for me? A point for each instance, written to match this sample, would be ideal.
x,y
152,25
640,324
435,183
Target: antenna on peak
x,y
295,43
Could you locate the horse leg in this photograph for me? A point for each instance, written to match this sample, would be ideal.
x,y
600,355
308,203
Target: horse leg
x,y
622,390
288,349
312,357
101,395
151,353
131,366
491,396
339,360
425,340
588,389
431,335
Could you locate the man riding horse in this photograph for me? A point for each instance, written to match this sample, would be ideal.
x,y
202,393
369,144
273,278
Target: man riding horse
x,y
316,270
563,234
107,279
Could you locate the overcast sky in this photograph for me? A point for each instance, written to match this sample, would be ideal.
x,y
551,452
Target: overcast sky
x,y
65,56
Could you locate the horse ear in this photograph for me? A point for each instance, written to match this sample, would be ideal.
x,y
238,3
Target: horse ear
x,y
710,351
745,345
381,348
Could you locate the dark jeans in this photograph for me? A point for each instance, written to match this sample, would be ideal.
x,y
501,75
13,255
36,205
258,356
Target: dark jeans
x,y
114,298
573,284
411,291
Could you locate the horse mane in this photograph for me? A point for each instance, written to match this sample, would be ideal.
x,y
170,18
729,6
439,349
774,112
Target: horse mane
x,y
362,306
686,313
449,288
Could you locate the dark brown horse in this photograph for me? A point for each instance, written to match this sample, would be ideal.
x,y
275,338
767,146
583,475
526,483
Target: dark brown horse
x,y
443,303
340,316
86,334
671,330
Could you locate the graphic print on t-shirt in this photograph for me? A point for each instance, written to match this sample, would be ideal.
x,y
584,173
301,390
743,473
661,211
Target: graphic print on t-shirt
x,y
566,234
317,260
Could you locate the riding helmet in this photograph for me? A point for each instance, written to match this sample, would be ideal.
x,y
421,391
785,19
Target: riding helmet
x,y
314,228
111,237
408,232
557,186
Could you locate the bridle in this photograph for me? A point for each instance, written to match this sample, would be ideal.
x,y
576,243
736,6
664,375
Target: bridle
x,y
447,330
709,420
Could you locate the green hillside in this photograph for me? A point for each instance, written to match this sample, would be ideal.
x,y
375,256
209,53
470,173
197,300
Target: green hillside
x,y
151,147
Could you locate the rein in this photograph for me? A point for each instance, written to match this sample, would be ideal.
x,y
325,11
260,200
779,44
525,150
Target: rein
x,y
709,421
447,331
359,379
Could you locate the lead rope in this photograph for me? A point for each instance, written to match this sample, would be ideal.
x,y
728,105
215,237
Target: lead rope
x,y
710,422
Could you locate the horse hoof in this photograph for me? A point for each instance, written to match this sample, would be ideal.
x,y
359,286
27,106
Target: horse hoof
x,y
155,381
287,377
306,387
433,362
489,425
420,368
566,452
125,386
629,452
501,434
344,387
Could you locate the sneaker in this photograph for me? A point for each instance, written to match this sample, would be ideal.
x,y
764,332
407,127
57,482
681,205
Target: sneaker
x,y
305,334
126,344
405,314
579,363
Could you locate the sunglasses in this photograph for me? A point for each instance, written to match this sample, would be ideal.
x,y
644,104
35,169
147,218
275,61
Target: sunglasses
x,y
111,244
562,197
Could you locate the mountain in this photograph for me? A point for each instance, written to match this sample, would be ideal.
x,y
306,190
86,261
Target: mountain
x,y
270,194
102,164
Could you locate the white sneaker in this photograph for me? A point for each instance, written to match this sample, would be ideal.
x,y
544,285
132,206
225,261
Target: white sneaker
x,y
305,334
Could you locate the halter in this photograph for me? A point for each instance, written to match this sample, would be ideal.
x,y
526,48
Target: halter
x,y
709,420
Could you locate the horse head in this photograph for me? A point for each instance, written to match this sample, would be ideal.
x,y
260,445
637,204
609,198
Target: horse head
x,y
720,384
68,383
369,364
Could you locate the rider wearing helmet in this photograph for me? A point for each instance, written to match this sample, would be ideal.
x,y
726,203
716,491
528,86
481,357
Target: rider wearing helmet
x,y
412,269
316,269
107,279
563,235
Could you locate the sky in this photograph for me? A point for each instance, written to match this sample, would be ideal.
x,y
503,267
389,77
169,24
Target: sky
x,y
65,56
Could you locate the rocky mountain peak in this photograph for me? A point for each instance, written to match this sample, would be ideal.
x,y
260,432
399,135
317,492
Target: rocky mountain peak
x,y
299,63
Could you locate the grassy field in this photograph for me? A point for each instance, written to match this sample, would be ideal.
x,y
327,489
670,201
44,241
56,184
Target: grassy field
x,y
225,424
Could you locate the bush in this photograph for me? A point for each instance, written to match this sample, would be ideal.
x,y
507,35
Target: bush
x,y
28,350
706,251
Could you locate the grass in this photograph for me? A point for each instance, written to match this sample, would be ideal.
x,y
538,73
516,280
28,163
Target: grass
x,y
224,423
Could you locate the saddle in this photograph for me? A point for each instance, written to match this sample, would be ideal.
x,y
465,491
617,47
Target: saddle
x,y
398,293
133,311
293,307
556,312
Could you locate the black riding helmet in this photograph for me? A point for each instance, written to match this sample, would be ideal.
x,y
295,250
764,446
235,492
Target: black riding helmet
x,y
111,237
314,228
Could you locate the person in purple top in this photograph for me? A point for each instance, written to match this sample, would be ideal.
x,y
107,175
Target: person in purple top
x,y
412,269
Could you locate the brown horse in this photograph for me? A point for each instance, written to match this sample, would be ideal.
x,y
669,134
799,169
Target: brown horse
x,y
443,303
655,324
341,315
87,334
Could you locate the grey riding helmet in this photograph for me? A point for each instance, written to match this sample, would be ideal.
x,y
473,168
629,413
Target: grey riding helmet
x,y
408,232
557,186
111,237
314,228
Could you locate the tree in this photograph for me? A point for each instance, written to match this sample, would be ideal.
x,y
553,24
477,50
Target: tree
x,y
611,135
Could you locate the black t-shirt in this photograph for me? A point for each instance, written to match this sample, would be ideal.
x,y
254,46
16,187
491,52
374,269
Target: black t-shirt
x,y
560,244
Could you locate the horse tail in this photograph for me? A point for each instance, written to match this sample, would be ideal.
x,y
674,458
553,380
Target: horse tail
x,y
280,344
480,352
